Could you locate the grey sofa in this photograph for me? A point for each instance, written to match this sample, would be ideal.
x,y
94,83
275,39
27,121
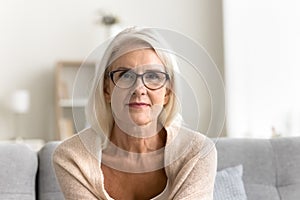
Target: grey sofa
x,y
271,169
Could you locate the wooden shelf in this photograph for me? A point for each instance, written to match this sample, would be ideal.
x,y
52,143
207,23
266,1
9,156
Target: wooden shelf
x,y
72,83
72,103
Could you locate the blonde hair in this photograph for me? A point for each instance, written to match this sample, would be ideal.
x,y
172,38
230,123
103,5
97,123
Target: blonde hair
x,y
98,111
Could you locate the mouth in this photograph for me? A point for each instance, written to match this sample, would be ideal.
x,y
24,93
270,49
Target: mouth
x,y
138,105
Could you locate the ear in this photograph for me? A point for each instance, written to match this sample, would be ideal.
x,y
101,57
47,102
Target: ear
x,y
107,93
167,96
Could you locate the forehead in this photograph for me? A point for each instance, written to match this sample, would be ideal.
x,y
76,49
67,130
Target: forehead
x,y
141,57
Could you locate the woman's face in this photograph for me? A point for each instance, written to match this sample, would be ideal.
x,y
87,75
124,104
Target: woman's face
x,y
136,105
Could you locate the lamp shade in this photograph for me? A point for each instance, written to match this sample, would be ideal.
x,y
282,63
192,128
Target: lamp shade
x,y
20,101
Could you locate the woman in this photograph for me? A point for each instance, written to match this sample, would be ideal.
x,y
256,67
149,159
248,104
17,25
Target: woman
x,y
136,147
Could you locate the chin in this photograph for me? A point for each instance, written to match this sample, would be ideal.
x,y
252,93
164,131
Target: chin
x,y
141,122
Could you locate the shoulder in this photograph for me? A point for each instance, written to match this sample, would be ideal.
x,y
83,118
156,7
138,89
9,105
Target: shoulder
x,y
74,148
189,146
200,145
191,142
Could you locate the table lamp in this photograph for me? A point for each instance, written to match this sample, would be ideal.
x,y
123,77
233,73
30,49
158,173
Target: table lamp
x,y
20,106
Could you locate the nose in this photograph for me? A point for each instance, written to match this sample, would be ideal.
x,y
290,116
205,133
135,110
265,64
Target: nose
x,y
139,87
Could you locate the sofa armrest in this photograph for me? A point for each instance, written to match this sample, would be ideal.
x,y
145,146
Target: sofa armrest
x,y
18,172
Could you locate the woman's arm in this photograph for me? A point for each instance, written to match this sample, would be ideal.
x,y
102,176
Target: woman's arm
x,y
73,174
196,178
70,186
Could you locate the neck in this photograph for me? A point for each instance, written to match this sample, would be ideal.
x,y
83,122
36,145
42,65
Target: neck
x,y
129,142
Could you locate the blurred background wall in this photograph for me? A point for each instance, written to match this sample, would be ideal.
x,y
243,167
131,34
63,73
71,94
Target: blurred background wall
x,y
35,34
261,51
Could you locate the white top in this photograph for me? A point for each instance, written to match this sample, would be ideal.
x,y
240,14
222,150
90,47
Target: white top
x,y
164,194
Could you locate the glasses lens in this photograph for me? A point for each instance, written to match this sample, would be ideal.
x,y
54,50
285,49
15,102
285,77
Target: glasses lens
x,y
127,78
124,79
154,80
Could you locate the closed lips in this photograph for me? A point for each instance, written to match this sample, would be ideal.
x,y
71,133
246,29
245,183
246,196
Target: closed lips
x,y
138,104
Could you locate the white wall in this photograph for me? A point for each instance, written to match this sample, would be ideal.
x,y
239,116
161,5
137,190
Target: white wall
x,y
34,34
262,45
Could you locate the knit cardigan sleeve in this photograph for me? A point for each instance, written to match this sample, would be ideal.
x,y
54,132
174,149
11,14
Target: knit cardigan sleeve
x,y
75,180
196,174
191,176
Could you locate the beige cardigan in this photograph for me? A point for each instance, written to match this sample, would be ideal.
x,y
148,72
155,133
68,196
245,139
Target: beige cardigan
x,y
190,159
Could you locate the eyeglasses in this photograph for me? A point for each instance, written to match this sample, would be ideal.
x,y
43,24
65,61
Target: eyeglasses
x,y
152,80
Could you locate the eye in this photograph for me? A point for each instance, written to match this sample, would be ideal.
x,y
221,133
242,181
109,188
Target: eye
x,y
153,76
124,75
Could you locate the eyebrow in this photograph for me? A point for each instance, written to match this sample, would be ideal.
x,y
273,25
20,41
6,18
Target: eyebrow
x,y
158,68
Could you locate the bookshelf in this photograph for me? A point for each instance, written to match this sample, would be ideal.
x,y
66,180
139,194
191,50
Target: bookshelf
x,y
72,83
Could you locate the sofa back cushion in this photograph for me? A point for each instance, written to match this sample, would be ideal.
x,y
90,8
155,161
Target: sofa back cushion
x,y
48,187
287,162
18,168
270,165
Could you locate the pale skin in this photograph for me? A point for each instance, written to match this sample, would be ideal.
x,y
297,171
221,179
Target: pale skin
x,y
136,110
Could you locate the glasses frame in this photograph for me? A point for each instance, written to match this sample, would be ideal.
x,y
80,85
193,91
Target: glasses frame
x,y
111,75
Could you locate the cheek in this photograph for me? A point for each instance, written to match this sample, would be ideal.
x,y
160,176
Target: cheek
x,y
158,97
119,97
111,92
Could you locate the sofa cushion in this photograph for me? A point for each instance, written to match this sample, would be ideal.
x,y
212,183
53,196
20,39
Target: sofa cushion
x,y
258,160
18,172
48,187
287,162
229,184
